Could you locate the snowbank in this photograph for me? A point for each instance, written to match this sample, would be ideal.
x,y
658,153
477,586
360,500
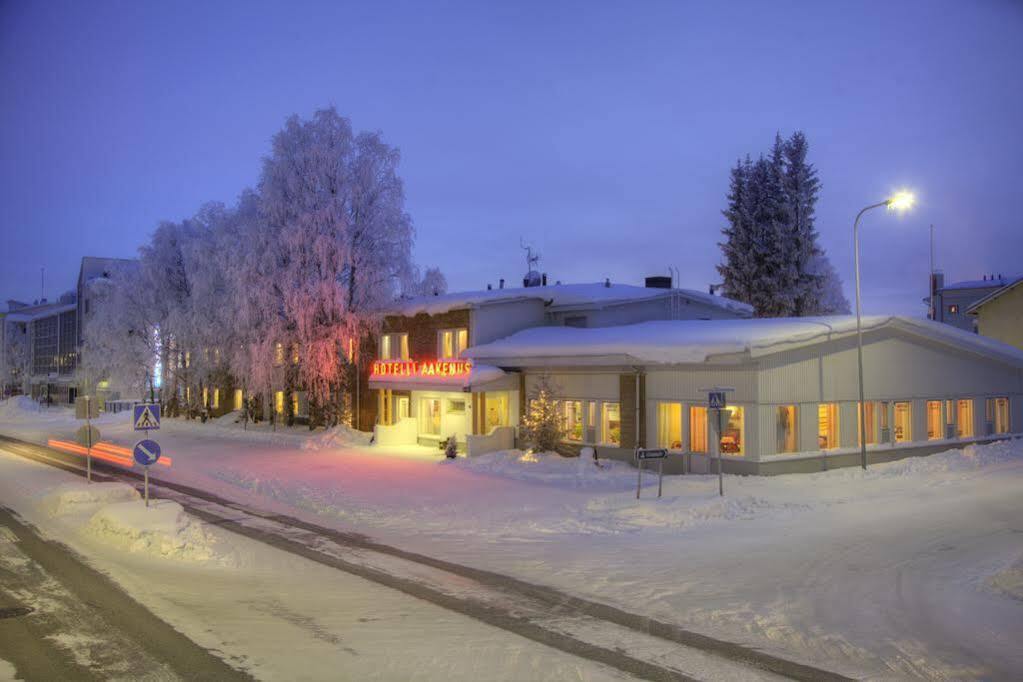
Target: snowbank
x,y
18,406
73,498
163,529
336,437
549,468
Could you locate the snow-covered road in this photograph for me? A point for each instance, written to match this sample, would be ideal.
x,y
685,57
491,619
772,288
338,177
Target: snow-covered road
x,y
892,573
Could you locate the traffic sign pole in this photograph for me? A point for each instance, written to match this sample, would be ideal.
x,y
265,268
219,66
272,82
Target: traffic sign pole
x,y
88,448
147,485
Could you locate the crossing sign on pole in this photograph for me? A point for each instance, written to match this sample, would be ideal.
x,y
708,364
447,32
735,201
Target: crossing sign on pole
x,y
716,400
146,452
147,417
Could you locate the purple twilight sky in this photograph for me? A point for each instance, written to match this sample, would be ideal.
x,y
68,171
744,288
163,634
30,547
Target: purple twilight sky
x,y
600,132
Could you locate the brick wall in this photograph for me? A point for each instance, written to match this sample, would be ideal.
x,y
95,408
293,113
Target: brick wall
x,y
422,331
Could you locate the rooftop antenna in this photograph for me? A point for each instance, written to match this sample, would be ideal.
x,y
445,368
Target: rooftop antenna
x,y
532,258
930,298
42,283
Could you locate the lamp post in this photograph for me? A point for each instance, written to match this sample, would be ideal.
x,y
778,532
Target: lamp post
x,y
900,201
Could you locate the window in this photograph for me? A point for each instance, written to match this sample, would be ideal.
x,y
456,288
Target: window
x,y
697,428
239,399
869,411
611,427
903,422
394,347
964,418
1001,414
497,410
278,354
452,342
216,399
827,426
578,321
430,416
573,420
279,402
787,437
669,426
456,407
732,441
953,309
934,420
294,353
294,403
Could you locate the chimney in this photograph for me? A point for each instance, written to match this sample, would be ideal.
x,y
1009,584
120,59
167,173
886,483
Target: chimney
x,y
607,282
543,280
489,287
501,283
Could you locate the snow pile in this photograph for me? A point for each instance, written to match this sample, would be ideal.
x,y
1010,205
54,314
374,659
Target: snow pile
x,y
336,437
18,406
1009,580
549,468
74,498
163,529
930,467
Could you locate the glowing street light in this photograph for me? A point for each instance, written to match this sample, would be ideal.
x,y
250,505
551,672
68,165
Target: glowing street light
x,y
900,201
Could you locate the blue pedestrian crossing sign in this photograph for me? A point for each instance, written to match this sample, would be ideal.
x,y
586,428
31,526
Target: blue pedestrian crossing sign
x,y
146,452
147,417
716,400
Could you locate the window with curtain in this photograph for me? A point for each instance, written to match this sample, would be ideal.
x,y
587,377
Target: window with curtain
x,y
611,428
733,431
787,436
573,419
827,426
903,422
669,426
964,418
934,423
452,342
1001,420
697,428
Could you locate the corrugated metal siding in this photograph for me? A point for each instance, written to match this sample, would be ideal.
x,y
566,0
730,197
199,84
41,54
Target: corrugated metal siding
x,y
589,386
685,384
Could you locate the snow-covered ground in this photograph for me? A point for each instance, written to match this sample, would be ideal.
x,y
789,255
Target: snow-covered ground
x,y
262,610
911,569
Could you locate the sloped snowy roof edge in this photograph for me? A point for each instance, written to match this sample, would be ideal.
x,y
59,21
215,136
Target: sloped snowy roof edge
x,y
694,341
997,293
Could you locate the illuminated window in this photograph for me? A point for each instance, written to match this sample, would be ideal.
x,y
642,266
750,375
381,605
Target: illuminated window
x,y
611,424
278,353
452,342
456,407
279,402
497,410
573,420
999,417
239,399
429,416
953,309
787,437
964,418
294,403
669,426
697,428
903,422
205,396
732,431
294,353
394,347
869,410
827,426
934,431
591,420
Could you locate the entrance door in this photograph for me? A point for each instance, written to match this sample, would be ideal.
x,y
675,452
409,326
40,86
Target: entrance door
x,y
430,416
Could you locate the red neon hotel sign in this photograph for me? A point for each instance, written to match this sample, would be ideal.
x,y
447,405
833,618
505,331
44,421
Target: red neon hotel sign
x,y
421,368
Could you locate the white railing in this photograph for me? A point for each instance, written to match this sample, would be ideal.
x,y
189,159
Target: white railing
x,y
403,432
499,438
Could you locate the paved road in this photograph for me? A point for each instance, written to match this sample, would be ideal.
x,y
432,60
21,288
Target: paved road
x,y
62,620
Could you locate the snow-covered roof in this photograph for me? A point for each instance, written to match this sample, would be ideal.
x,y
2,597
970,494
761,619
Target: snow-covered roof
x,y
992,283
997,293
559,296
39,311
695,341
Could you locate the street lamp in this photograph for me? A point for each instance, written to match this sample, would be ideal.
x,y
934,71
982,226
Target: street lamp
x,y
900,201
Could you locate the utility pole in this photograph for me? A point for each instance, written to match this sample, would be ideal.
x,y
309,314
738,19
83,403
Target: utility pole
x,y
930,282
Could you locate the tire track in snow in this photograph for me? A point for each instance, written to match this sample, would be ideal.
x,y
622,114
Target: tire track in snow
x,y
633,643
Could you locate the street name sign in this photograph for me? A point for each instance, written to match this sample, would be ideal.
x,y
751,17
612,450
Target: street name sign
x,y
659,453
146,417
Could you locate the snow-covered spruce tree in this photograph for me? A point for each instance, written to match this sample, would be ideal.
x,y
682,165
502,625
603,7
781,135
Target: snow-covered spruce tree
x,y
801,186
829,298
543,425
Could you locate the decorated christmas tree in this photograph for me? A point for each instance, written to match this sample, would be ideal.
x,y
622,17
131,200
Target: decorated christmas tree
x,y
543,426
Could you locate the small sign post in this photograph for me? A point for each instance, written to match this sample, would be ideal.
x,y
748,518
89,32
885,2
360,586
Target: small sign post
x,y
642,455
146,452
717,400
88,409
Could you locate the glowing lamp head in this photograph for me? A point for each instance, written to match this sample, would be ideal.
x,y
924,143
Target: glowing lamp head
x,y
901,201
